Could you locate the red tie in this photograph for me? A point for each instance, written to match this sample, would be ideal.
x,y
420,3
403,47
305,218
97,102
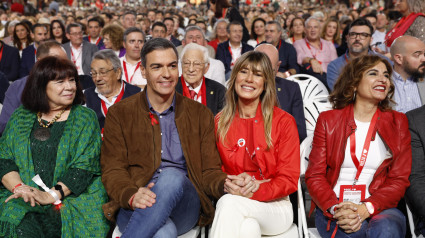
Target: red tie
x,y
192,94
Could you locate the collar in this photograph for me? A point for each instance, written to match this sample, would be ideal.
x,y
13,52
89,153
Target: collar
x,y
124,58
103,97
240,46
197,89
170,109
79,48
397,77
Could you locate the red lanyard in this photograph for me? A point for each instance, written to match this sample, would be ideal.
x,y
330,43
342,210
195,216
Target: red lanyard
x,y
126,74
201,93
308,46
104,108
280,43
231,55
346,58
293,39
73,57
97,42
365,151
1,51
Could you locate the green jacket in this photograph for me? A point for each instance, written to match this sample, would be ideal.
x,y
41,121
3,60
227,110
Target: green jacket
x,y
79,147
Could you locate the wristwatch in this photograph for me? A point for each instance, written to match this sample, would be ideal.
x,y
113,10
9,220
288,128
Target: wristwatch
x,y
369,207
59,188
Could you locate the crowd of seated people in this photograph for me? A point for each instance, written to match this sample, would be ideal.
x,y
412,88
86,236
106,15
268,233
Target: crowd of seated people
x,y
153,120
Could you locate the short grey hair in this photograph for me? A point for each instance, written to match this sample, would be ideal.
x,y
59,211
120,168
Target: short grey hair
x,y
279,27
108,55
194,46
310,19
193,28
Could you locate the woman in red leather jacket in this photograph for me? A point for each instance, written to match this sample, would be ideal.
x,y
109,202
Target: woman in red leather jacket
x,y
257,138
361,158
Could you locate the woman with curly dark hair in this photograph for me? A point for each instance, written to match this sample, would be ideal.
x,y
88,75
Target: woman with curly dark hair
x,y
361,159
57,32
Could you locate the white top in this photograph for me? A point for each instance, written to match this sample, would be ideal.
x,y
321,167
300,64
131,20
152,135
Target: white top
x,y
131,72
77,58
236,53
378,152
198,97
103,98
378,37
252,42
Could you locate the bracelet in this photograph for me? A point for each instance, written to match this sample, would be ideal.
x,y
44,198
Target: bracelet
x,y
131,201
19,184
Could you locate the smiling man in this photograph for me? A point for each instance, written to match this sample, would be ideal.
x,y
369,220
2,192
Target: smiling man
x,y
408,54
134,39
160,164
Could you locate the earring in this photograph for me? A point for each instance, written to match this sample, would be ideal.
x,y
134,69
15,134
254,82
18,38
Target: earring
x,y
354,96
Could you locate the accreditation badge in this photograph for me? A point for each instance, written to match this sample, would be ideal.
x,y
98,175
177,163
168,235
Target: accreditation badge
x,y
352,193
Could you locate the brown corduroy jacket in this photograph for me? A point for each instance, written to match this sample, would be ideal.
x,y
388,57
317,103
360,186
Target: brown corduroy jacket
x,y
131,152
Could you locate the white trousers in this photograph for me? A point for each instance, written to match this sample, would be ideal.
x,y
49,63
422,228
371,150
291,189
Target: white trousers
x,y
240,217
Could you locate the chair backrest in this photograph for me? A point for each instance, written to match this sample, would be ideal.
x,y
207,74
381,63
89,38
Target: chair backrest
x,y
305,150
315,98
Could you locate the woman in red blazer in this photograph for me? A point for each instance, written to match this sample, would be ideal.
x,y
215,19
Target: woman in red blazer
x,y
255,137
361,158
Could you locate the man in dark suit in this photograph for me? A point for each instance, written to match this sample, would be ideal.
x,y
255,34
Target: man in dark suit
x,y
287,53
229,51
95,26
9,61
288,93
39,34
169,23
193,84
80,52
415,193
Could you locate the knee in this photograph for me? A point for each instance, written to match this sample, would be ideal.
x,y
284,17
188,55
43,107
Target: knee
x,y
172,178
389,224
167,230
250,228
227,202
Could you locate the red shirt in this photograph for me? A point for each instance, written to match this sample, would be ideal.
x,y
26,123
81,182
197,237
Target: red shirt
x,y
281,163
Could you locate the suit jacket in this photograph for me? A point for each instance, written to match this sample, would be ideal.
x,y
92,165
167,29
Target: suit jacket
x,y
88,51
223,53
175,41
94,102
415,193
99,46
288,57
4,85
131,151
215,94
291,101
9,63
421,88
27,61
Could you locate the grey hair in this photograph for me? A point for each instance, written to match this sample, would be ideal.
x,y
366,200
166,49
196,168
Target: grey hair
x,y
108,55
131,30
416,5
194,46
214,35
193,28
279,27
310,19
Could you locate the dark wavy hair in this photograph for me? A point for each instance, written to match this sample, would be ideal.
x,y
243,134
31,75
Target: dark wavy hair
x,y
253,34
34,97
349,80
62,26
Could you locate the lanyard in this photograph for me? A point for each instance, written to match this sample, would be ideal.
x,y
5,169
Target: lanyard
x,y
97,42
104,108
365,151
126,74
1,51
231,54
202,93
308,46
73,57
346,58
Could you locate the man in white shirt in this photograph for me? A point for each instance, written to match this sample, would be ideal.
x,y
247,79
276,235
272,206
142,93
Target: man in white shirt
x,y
215,72
95,26
134,39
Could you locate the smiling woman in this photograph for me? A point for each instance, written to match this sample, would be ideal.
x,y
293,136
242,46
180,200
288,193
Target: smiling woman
x,y
361,158
56,138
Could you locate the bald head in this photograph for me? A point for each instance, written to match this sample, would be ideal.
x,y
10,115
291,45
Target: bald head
x,y
271,51
408,55
403,44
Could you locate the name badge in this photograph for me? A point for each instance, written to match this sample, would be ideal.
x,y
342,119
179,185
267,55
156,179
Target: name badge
x,y
352,193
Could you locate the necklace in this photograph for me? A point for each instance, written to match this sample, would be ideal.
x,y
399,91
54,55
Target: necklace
x,y
43,133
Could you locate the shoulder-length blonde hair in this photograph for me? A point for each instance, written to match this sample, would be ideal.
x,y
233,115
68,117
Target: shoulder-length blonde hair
x,y
349,80
257,62
337,37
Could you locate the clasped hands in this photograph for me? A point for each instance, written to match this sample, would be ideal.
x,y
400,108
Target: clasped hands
x,y
242,185
350,216
32,195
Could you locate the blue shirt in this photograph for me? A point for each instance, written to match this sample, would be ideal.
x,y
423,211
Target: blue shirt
x,y
171,150
335,67
406,94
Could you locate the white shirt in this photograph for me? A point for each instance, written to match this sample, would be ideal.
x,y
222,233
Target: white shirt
x,y
198,97
378,37
131,72
103,98
77,58
215,72
378,152
236,53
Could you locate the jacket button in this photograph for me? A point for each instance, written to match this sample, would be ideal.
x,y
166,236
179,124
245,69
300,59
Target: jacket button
x,y
258,148
256,121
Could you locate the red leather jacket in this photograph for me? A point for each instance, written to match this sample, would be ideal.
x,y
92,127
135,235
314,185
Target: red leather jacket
x,y
330,138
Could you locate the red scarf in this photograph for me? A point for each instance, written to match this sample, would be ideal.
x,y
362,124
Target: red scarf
x,y
401,27
202,93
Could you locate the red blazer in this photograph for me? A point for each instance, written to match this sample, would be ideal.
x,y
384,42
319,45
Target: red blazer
x,y
330,138
281,163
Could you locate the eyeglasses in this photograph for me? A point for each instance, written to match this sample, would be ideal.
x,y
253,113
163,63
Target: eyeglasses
x,y
353,35
93,74
76,33
196,64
